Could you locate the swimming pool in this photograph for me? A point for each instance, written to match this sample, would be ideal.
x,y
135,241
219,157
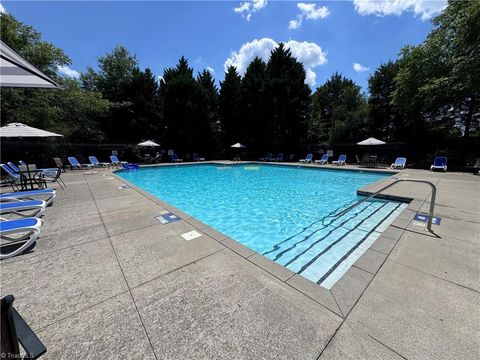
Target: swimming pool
x,y
283,212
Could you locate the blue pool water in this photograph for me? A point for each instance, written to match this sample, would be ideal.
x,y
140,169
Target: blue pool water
x,y
283,212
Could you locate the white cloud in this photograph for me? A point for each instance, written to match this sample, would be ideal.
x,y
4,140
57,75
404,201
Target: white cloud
x,y
210,70
425,9
309,54
247,8
68,72
359,67
2,9
310,12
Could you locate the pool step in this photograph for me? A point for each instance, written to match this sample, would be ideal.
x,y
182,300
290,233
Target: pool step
x,y
324,251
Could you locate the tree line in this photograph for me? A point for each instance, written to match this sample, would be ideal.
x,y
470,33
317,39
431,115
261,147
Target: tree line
x,y
429,95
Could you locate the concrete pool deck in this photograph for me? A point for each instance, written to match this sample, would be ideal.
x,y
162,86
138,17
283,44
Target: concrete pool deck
x,y
108,280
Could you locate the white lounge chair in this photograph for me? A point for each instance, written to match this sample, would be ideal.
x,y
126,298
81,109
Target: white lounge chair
x,y
323,160
47,195
21,235
30,208
341,160
399,163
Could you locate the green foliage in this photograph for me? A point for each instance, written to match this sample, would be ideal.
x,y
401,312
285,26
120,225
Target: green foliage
x,y
338,112
229,108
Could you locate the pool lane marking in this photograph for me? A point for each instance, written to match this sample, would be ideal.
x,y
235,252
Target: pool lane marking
x,y
280,254
342,259
305,266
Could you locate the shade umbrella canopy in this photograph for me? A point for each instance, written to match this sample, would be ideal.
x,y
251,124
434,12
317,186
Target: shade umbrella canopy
x,y
22,130
148,143
238,146
15,71
371,141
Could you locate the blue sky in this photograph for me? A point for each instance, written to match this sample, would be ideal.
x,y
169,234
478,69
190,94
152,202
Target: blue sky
x,y
327,36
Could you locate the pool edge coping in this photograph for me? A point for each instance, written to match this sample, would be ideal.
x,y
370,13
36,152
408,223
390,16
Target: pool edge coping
x,y
321,295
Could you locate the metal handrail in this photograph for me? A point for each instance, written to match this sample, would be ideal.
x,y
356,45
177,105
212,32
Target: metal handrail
x,y
432,198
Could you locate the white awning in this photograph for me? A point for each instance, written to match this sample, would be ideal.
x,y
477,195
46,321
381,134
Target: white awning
x,y
22,130
15,71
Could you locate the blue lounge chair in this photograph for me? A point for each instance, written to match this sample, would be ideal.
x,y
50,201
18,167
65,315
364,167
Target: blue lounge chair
x,y
117,162
278,158
399,163
267,157
13,177
13,166
308,159
76,165
31,208
47,195
197,158
323,160
94,161
440,163
21,235
341,160
175,158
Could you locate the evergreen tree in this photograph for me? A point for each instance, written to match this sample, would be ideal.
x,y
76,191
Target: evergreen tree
x,y
288,100
207,114
384,121
252,102
179,94
339,111
229,109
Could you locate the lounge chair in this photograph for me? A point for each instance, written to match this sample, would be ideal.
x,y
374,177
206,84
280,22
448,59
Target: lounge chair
x,y
278,158
25,233
399,163
308,159
75,165
117,162
31,208
14,167
197,158
175,158
267,157
341,160
47,195
94,161
440,163
473,168
323,160
14,178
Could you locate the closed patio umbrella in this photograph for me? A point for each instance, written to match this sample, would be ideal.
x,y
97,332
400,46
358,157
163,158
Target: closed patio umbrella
x,y
15,71
21,131
148,143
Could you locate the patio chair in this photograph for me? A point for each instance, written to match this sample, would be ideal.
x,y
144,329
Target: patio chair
x,y
323,160
440,163
341,160
75,165
474,168
59,163
267,157
175,158
21,235
117,162
14,331
47,195
94,161
31,208
399,163
53,175
197,158
308,159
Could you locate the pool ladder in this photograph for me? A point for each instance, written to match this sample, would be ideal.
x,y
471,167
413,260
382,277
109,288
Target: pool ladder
x,y
432,199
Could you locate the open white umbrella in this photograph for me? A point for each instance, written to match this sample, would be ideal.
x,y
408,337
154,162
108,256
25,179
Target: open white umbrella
x,y
15,71
148,143
238,146
22,130
371,141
